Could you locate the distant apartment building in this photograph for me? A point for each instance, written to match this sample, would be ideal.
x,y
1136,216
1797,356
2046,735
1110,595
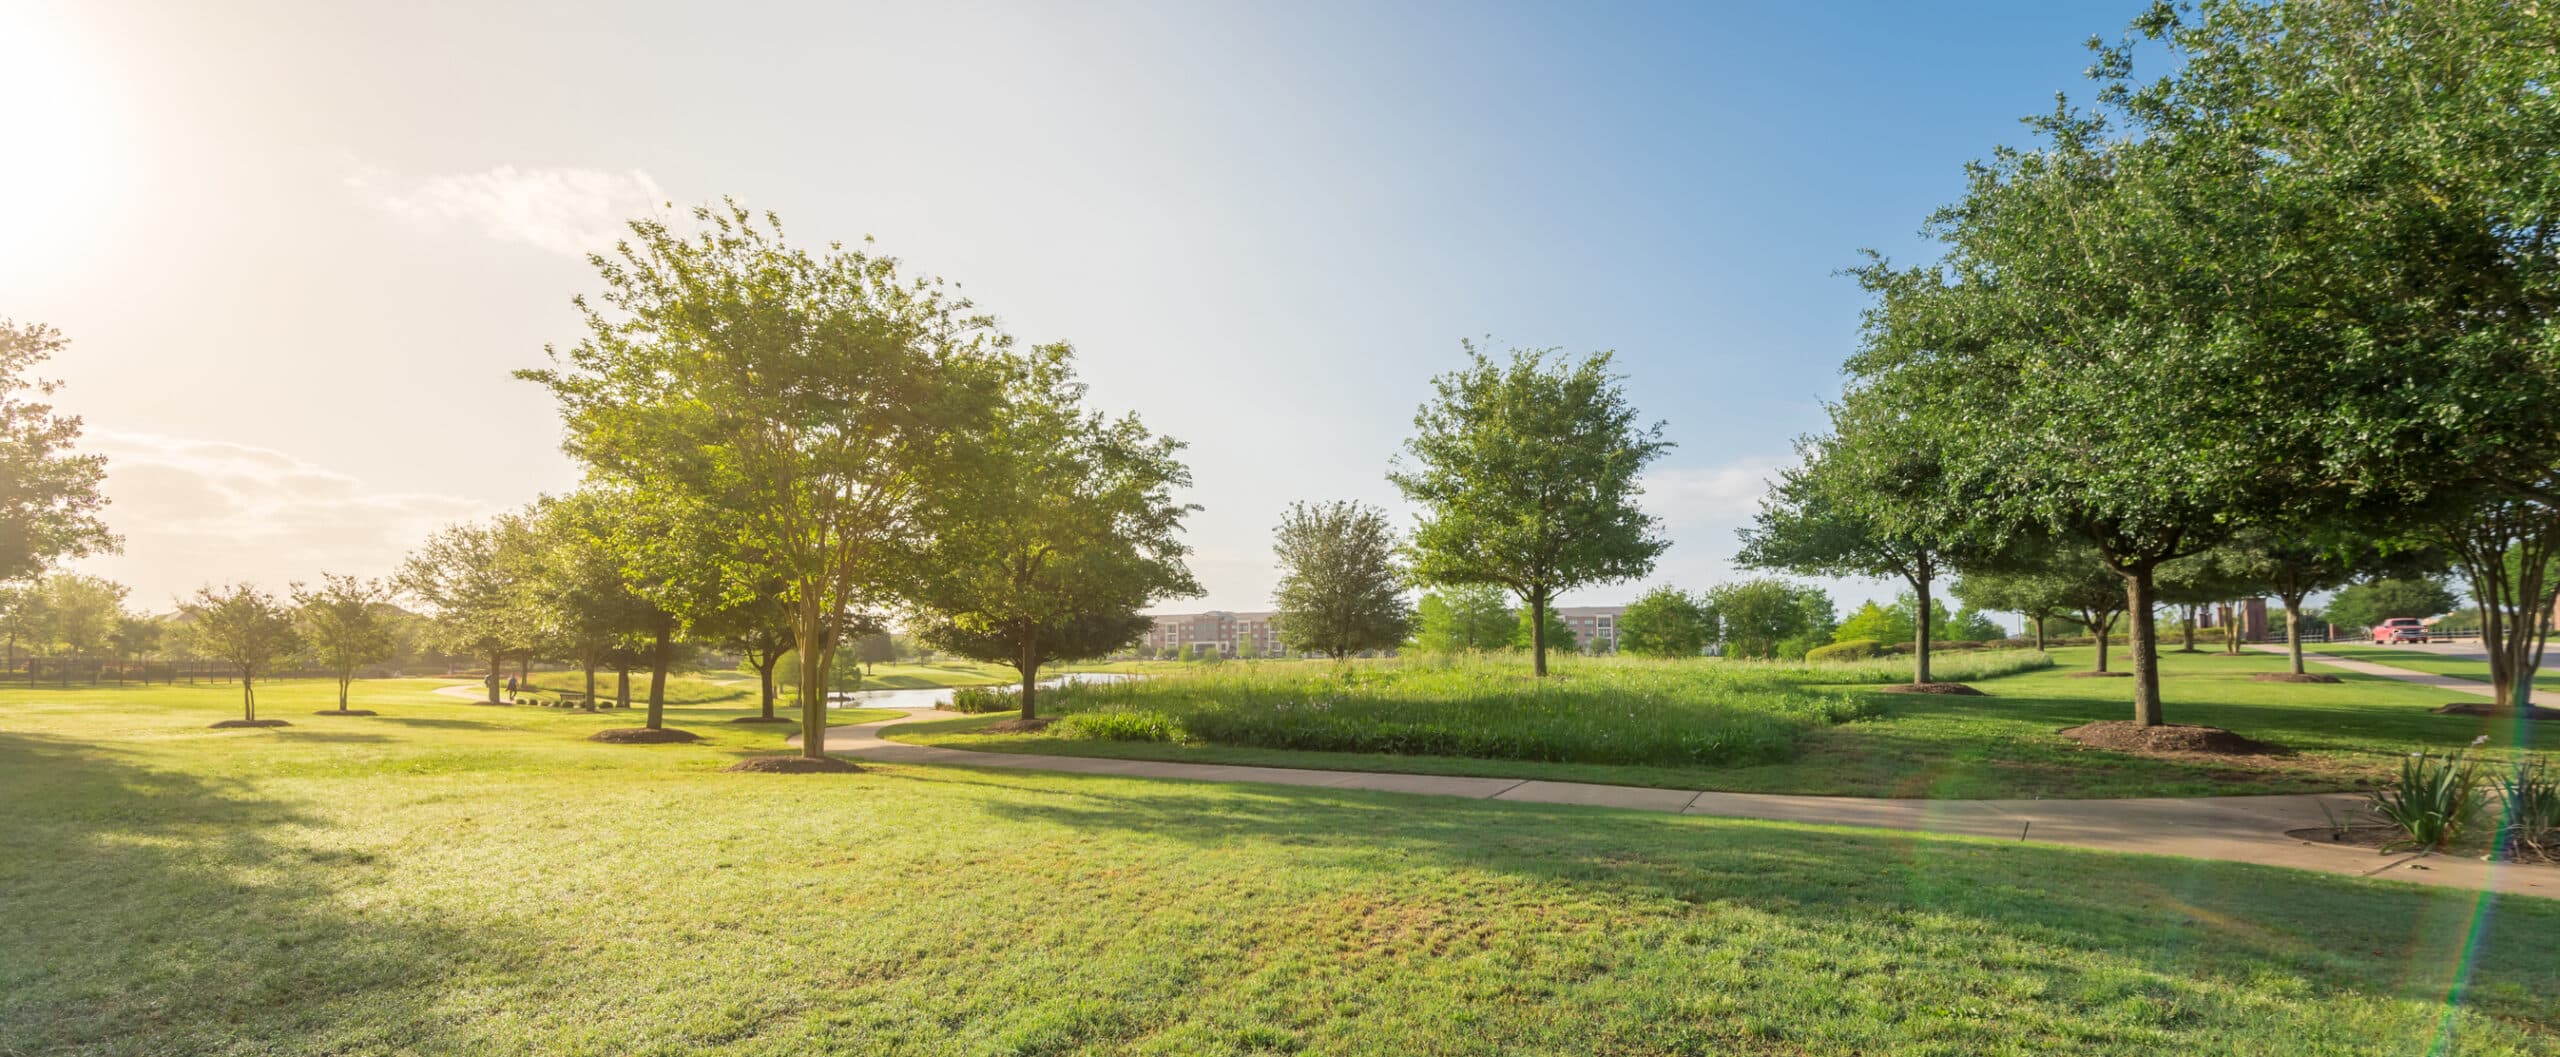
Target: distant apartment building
x,y
1230,634
1595,628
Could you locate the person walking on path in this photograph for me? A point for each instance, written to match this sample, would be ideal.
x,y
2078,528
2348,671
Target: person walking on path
x,y
511,689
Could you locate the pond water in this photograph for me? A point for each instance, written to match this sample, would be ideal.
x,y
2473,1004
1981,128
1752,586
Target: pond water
x,y
932,696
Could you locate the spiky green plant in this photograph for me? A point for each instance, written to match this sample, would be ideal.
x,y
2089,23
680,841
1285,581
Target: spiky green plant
x,y
2529,811
2435,801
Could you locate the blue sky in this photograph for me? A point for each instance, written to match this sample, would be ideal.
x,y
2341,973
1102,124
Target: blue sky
x,y
299,246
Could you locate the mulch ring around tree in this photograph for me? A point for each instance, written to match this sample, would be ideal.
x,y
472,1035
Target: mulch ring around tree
x,y
2292,677
1017,725
2379,836
2168,740
764,719
643,736
346,712
231,723
1958,689
792,765
2496,711
2101,675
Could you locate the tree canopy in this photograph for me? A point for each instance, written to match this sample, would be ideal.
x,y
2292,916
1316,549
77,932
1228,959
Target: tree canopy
x,y
809,400
1527,473
49,493
1341,586
1066,530
1665,622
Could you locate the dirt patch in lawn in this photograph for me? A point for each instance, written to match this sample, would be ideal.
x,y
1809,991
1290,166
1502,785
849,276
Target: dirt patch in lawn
x,y
2168,739
764,719
346,712
230,724
1018,726
2497,711
792,765
2101,675
2292,677
643,736
1957,689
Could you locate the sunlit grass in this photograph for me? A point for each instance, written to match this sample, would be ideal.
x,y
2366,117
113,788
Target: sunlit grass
x,y
455,878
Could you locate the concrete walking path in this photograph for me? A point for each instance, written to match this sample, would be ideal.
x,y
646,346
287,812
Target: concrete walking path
x,y
2248,829
2455,683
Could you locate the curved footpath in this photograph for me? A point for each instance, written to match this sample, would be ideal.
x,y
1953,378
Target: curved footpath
x,y
2248,829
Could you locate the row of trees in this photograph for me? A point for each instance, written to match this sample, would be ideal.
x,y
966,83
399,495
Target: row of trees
x,y
783,444
2289,306
1526,472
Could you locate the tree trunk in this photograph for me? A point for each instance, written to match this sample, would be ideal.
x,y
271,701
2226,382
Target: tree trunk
x,y
1538,632
2188,643
661,651
621,688
810,622
2140,596
588,664
497,663
248,699
764,675
1920,628
2098,633
344,680
2293,630
524,669
2039,623
1030,686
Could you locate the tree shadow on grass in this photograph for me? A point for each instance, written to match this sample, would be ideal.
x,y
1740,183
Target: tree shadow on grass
x,y
2213,930
155,911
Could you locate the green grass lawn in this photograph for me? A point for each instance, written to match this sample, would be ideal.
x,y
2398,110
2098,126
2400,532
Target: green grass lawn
x,y
452,878
2004,745
2421,661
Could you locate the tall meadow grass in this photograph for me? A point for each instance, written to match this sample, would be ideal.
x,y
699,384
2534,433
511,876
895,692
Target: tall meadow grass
x,y
1592,710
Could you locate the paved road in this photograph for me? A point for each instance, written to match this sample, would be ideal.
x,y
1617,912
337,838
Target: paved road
x,y
2455,684
2247,829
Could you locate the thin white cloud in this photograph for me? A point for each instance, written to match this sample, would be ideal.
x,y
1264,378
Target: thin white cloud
x,y
1691,498
196,511
572,211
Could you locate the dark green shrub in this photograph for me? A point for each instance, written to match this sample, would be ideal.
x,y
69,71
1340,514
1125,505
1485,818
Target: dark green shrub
x,y
979,700
1852,650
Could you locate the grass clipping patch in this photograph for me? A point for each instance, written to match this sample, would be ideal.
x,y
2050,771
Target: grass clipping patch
x,y
1955,689
2167,739
792,765
643,736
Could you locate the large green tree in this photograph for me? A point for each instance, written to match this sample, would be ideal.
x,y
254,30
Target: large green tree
x,y
1463,619
587,603
246,628
1863,505
1527,473
475,579
2045,579
50,498
805,401
1341,586
1755,618
343,625
1065,529
1665,622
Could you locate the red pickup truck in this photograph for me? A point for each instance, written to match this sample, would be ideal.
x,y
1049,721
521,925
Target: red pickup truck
x,y
2400,629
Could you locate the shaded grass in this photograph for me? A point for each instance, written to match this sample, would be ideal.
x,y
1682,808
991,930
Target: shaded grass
x,y
2347,735
479,880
